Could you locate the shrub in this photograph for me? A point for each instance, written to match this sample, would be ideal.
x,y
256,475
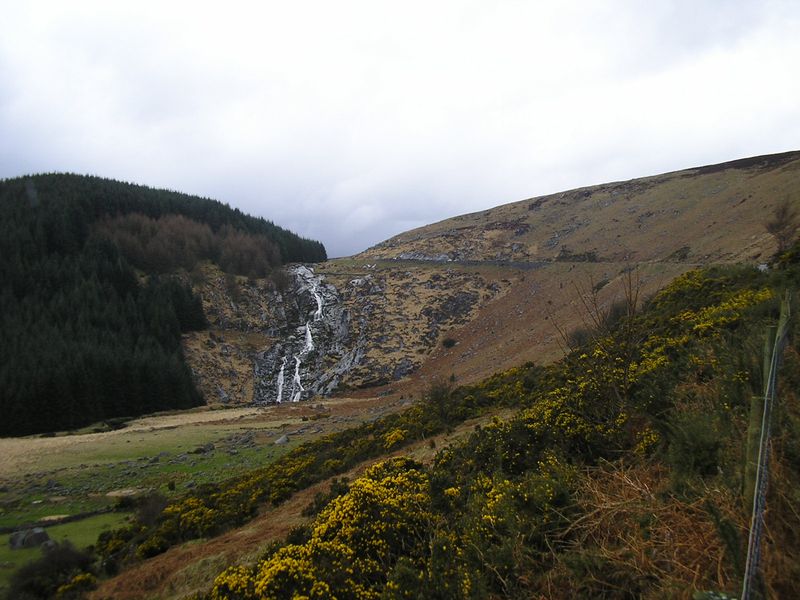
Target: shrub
x,y
150,507
694,445
60,567
351,546
321,499
579,337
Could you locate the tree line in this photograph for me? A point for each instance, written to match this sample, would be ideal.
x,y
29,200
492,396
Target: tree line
x,y
175,242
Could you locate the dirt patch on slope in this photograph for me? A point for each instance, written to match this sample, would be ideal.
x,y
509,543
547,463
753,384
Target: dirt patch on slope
x,y
529,322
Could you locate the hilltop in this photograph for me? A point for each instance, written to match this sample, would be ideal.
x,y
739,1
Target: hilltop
x,y
701,215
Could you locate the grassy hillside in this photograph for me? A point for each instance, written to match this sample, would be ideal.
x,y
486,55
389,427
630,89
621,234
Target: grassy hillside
x,y
498,306
703,215
614,472
620,475
543,254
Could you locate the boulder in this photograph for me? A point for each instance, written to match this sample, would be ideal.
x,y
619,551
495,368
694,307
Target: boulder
x,y
28,538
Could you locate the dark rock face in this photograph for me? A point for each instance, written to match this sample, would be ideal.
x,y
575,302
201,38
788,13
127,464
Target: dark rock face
x,y
403,368
424,257
374,326
315,348
454,309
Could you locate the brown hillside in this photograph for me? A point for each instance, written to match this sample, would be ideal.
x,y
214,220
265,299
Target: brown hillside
x,y
706,214
467,297
503,284
547,252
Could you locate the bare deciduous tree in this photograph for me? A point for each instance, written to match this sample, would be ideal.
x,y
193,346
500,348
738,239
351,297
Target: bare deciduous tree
x,y
783,225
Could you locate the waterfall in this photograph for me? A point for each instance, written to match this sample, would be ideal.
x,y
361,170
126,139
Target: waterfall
x,y
297,387
309,282
309,341
279,399
313,287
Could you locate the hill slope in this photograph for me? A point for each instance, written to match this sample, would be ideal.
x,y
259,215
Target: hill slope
x,y
644,419
619,476
486,291
550,253
700,215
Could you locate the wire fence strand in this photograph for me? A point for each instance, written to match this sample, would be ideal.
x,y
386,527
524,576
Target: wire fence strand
x,y
762,473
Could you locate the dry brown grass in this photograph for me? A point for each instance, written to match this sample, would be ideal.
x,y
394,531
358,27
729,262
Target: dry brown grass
x,y
719,214
637,540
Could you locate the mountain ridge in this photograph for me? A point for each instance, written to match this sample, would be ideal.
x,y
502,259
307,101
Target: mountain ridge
x,y
509,231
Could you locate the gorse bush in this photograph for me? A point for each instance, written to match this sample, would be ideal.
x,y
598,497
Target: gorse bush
x,y
339,486
353,544
216,507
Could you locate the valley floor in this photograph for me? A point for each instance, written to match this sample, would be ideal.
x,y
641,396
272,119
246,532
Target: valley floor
x,y
44,479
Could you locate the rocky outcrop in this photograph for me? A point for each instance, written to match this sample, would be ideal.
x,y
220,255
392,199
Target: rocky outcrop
x,y
315,349
401,312
338,328
424,257
452,310
333,326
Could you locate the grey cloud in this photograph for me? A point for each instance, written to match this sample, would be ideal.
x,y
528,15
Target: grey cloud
x,y
349,123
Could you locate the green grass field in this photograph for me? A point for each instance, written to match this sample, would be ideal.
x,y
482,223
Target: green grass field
x,y
80,533
91,476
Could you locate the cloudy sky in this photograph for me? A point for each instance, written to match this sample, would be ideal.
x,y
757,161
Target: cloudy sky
x,y
349,121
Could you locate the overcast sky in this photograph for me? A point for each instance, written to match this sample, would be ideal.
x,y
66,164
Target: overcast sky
x,y
350,121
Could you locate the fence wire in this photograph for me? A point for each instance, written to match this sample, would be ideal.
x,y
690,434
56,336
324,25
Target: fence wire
x,y
762,473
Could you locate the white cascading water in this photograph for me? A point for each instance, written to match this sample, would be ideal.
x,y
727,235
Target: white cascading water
x,y
279,399
297,387
309,341
318,298
313,286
